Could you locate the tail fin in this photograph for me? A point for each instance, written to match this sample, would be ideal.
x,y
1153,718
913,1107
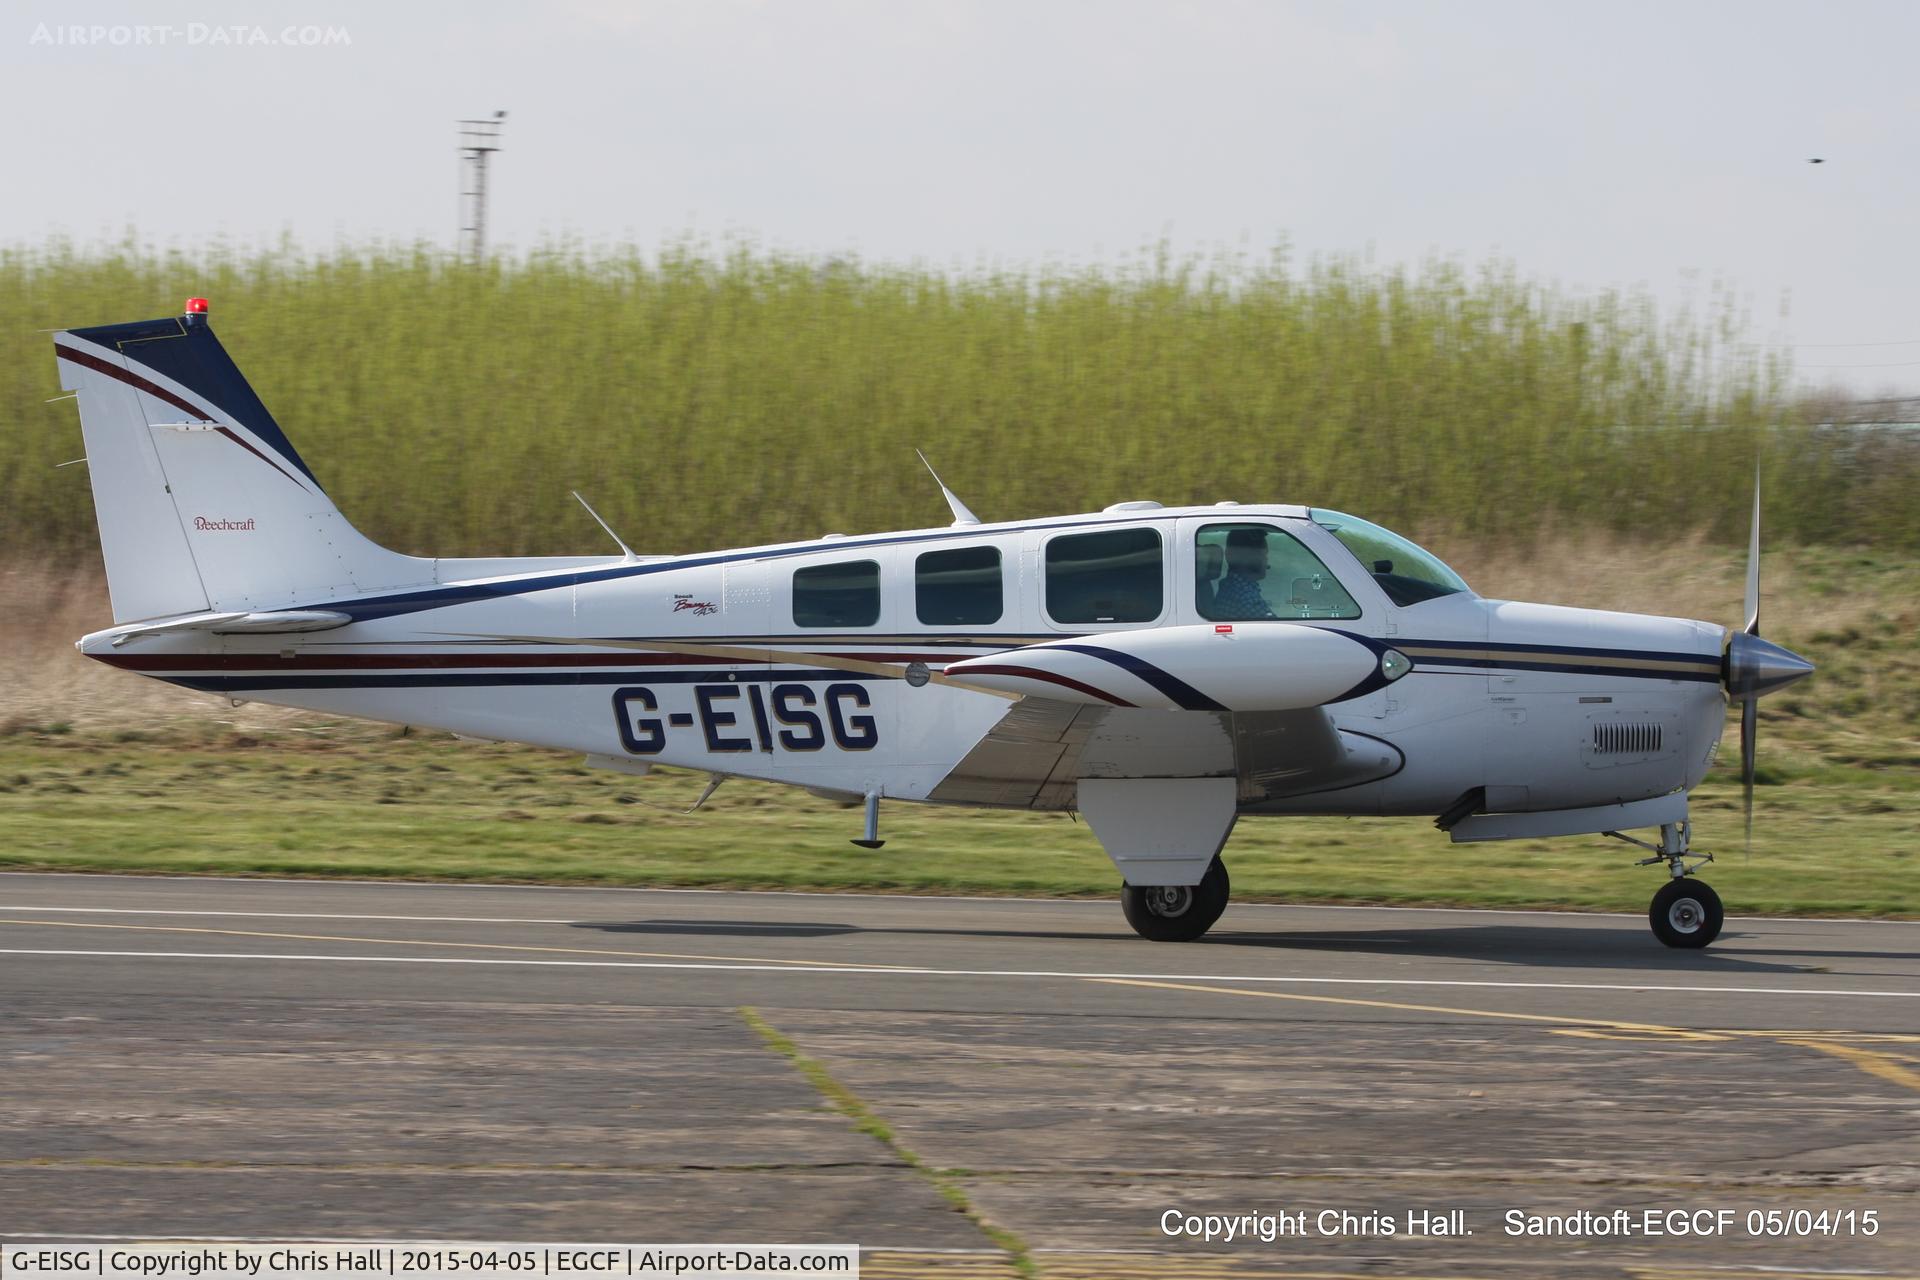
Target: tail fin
x,y
201,500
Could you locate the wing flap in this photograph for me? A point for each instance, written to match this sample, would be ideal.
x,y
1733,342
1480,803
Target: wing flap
x,y
1028,760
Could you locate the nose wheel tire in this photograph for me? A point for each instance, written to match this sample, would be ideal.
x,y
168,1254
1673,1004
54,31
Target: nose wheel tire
x,y
1177,913
1686,913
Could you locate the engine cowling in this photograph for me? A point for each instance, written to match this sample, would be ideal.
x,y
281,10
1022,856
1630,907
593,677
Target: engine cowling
x,y
1246,666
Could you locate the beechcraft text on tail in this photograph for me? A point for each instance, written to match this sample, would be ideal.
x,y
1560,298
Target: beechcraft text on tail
x,y
1163,671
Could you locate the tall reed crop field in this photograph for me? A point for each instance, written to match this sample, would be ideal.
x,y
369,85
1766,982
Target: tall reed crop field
x,y
704,396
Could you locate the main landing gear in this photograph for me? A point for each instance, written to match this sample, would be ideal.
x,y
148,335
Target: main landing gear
x,y
1686,912
1177,913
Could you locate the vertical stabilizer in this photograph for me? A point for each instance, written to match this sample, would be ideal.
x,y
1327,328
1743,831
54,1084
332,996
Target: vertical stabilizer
x,y
201,499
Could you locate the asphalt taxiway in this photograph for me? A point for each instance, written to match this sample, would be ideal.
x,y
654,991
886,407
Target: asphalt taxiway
x,y
302,1059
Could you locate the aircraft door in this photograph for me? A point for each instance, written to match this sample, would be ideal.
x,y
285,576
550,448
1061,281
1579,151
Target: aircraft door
x,y
829,722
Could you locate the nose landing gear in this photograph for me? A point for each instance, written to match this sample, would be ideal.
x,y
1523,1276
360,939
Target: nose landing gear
x,y
1686,912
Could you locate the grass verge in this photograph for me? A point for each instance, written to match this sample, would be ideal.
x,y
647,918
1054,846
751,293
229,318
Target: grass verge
x,y
335,800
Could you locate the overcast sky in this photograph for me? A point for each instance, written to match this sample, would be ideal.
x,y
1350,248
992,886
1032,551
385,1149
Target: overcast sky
x,y
1663,146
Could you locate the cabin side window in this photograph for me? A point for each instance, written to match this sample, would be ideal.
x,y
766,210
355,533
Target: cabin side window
x,y
1112,576
1253,572
846,594
959,587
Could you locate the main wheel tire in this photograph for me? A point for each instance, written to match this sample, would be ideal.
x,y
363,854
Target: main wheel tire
x,y
1177,913
1686,913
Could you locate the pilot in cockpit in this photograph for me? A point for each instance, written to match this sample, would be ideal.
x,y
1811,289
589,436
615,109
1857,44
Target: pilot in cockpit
x,y
1240,598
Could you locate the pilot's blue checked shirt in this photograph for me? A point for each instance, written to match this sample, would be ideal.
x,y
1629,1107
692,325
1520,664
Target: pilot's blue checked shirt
x,y
1239,599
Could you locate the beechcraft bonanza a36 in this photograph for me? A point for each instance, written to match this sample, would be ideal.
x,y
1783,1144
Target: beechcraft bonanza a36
x,y
1162,671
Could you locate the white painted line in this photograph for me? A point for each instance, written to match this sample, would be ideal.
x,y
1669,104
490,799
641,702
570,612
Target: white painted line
x,y
396,882
307,882
910,972
341,915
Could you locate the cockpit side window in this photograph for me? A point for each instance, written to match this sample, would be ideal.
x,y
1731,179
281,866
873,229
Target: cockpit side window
x,y
1407,573
1252,572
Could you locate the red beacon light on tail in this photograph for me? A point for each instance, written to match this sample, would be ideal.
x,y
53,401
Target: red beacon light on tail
x,y
196,311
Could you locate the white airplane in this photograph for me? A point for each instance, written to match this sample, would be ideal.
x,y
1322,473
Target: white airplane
x,y
1162,671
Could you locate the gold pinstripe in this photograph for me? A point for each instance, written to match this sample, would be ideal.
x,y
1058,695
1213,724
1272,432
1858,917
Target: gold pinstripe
x,y
754,653
1692,666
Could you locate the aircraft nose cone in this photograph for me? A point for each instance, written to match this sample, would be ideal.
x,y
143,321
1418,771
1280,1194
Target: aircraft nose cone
x,y
1757,667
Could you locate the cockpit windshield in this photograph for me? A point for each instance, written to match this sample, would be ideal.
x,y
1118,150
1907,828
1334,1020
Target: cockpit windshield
x,y
1407,573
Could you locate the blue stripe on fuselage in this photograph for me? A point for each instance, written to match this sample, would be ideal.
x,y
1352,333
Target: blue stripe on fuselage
x,y
489,679
402,602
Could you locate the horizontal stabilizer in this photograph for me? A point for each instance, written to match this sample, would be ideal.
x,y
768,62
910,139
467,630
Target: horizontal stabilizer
x,y
275,622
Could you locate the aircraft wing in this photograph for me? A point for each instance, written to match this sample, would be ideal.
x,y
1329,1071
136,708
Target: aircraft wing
x,y
1035,756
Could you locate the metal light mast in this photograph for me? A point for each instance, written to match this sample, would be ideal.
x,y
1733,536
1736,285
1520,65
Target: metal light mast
x,y
478,140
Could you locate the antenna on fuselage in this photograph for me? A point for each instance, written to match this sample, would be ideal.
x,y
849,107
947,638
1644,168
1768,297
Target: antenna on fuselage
x,y
960,513
625,550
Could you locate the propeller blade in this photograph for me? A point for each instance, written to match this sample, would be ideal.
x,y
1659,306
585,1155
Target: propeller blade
x,y
1749,733
1753,561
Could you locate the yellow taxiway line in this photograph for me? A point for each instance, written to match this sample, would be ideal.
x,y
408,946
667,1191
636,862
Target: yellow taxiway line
x,y
1886,1066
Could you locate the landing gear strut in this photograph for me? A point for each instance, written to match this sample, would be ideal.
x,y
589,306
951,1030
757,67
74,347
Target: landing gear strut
x,y
1686,912
1177,913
